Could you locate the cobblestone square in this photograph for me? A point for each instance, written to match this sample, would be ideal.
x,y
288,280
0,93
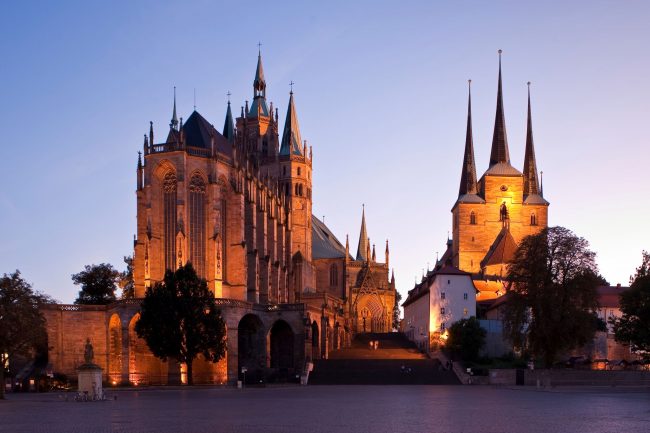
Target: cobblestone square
x,y
328,409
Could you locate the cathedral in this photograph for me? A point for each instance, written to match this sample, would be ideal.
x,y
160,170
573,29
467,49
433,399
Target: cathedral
x,y
494,213
237,204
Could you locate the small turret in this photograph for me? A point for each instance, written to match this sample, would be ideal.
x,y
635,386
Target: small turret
x,y
174,122
140,180
151,142
387,255
362,248
374,255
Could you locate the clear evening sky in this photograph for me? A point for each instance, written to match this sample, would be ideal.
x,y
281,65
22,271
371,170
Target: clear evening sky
x,y
381,93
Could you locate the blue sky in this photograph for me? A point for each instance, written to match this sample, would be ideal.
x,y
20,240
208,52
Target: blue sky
x,y
381,96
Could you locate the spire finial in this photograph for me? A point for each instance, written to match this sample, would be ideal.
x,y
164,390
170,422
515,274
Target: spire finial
x,y
228,96
195,99
259,48
291,84
174,122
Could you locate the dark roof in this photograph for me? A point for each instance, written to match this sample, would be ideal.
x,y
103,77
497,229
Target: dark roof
x,y
502,250
468,175
324,244
531,183
499,151
609,296
291,140
198,133
363,246
448,269
229,125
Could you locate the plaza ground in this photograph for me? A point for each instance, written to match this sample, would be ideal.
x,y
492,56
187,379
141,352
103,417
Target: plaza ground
x,y
317,409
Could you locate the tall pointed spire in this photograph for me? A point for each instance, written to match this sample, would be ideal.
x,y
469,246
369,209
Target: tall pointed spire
x,y
499,139
174,123
259,107
291,141
468,175
229,124
531,185
364,243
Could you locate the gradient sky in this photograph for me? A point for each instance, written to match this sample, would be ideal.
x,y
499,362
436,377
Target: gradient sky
x,y
381,93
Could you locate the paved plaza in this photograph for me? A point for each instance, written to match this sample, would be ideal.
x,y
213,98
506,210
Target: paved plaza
x,y
329,409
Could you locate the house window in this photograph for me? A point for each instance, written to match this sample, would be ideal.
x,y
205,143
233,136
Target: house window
x,y
465,296
442,295
298,171
442,310
472,218
465,311
448,281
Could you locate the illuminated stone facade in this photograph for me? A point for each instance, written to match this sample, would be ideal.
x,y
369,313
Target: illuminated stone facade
x,y
238,206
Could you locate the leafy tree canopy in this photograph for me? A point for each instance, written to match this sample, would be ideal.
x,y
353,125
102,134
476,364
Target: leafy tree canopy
x,y
126,281
552,299
22,326
98,284
634,326
466,338
179,319
396,311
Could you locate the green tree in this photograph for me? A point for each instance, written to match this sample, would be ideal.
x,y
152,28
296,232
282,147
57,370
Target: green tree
x,y
179,319
552,297
634,325
466,338
98,284
396,312
126,281
22,325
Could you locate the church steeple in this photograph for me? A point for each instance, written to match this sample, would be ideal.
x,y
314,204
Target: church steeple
x,y
229,124
259,107
468,175
499,151
174,122
531,184
291,140
364,243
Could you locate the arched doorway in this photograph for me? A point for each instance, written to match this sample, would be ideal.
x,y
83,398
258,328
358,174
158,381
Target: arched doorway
x,y
315,339
251,345
281,348
115,349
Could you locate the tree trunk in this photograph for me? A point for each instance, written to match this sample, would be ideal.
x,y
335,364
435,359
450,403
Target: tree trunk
x,y
190,379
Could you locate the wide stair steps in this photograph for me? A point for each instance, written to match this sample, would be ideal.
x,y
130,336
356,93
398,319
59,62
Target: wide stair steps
x,y
396,362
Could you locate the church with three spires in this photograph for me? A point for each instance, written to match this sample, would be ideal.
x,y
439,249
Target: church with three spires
x,y
491,215
237,204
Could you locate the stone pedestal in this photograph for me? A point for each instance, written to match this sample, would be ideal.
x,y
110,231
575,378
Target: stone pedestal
x,y
90,380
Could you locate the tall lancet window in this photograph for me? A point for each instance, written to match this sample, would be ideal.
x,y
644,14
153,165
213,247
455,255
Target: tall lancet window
x,y
533,219
197,224
169,214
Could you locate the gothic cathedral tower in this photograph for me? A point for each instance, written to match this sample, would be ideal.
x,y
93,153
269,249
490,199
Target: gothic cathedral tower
x,y
492,215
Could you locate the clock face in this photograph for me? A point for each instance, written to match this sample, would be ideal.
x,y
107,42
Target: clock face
x,y
504,188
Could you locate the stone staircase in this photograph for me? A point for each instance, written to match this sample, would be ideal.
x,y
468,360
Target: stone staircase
x,y
396,362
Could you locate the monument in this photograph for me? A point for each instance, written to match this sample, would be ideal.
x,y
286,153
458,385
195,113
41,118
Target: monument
x,y
90,375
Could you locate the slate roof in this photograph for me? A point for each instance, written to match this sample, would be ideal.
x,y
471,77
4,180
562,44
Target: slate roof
x,y
198,133
502,250
468,175
535,199
502,169
608,296
499,151
291,140
324,244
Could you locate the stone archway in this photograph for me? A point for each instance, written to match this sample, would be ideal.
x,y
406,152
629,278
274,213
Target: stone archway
x,y
315,339
281,351
251,345
115,349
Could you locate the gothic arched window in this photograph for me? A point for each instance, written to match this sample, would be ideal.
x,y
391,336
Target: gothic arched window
x,y
533,219
334,275
472,217
295,189
197,233
169,219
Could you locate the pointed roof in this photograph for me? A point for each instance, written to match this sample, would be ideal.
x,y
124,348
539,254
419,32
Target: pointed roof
x,y
174,122
229,125
468,175
499,153
364,243
532,189
502,250
291,140
198,132
259,83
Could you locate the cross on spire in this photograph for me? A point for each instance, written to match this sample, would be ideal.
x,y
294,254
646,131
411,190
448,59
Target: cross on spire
x,y
259,48
228,95
291,85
